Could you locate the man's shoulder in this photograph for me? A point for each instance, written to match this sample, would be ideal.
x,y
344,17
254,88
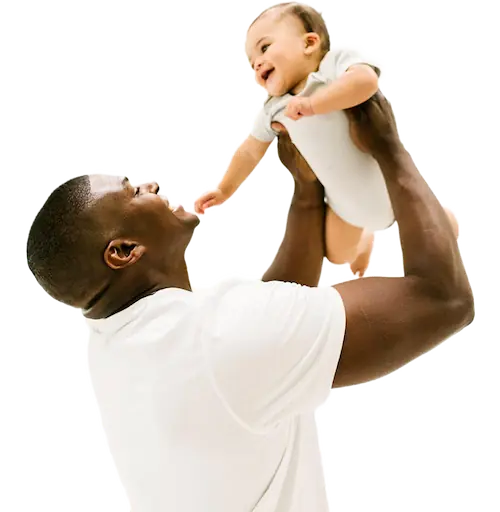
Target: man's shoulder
x,y
220,288
233,289
247,298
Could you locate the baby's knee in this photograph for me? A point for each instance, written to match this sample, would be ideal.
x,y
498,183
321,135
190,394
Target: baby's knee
x,y
341,239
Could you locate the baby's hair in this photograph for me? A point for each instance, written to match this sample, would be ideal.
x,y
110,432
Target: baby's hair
x,y
311,20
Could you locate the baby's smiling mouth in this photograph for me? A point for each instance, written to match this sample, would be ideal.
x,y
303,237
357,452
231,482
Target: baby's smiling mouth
x,y
265,74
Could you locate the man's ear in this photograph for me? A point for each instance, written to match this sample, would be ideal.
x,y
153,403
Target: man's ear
x,y
312,42
123,253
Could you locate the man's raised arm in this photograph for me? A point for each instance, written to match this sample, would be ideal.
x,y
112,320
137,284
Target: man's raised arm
x,y
391,321
300,256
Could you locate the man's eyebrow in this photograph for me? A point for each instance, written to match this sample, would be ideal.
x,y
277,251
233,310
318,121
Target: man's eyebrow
x,y
125,182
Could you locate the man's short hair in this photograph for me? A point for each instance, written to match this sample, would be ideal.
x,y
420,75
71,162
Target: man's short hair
x,y
57,242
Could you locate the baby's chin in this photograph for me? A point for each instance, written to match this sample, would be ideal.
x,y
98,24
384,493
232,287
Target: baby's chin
x,y
275,90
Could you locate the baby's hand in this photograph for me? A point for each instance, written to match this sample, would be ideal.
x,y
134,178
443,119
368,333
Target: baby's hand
x,y
209,199
299,107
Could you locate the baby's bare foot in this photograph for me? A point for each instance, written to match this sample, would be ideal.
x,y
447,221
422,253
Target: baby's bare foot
x,y
360,264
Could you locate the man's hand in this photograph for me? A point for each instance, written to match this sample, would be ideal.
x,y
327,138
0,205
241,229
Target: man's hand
x,y
291,158
372,126
298,107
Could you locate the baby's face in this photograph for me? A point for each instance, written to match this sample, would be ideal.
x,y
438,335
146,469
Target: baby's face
x,y
276,49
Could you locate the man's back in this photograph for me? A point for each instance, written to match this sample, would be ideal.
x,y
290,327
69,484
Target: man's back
x,y
182,437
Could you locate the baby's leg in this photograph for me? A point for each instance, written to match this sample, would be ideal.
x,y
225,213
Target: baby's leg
x,y
365,247
359,265
346,243
453,221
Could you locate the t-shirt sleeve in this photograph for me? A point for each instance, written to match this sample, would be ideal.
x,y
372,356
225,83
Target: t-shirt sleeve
x,y
336,63
262,127
273,349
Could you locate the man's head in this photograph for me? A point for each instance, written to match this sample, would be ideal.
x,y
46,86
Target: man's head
x,y
96,235
284,44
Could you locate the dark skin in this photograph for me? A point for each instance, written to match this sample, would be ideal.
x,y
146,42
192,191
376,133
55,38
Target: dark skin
x,y
300,256
390,321
148,253
151,256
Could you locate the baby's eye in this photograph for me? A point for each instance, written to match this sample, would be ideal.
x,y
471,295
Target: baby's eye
x,y
264,48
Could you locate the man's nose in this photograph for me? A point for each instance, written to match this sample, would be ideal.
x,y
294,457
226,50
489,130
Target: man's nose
x,y
151,187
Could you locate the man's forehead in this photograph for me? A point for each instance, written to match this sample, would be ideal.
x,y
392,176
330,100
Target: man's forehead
x,y
102,184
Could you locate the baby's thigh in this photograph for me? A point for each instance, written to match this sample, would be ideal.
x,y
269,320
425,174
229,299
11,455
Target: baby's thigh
x,y
341,239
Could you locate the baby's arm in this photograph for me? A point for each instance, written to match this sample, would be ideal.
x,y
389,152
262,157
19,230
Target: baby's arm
x,y
244,161
357,85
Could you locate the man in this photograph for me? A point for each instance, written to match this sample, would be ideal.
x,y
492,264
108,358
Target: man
x,y
207,398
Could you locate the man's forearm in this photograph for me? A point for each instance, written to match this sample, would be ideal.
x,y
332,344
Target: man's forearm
x,y
428,243
300,256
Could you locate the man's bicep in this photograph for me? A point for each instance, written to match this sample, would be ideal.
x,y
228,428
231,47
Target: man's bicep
x,y
389,322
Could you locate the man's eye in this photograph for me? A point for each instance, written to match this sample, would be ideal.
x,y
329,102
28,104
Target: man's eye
x,y
136,191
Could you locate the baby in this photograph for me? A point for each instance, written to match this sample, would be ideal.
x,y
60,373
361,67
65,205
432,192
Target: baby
x,y
309,85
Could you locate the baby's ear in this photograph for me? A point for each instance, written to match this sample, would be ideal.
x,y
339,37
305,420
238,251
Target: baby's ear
x,y
312,42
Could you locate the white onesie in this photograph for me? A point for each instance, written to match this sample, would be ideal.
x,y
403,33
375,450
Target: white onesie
x,y
354,185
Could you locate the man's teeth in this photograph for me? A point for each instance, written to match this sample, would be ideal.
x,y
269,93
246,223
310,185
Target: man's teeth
x,y
175,206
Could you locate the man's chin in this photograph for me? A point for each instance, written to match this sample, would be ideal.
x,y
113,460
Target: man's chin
x,y
186,217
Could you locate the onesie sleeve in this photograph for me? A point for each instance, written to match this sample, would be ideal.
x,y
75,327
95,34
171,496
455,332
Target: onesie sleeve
x,y
262,127
336,63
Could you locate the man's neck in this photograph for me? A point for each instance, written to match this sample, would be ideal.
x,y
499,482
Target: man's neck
x,y
112,299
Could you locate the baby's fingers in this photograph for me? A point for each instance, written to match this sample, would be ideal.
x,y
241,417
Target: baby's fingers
x,y
208,204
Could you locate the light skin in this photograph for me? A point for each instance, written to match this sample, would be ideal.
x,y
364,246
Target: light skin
x,y
390,321
282,56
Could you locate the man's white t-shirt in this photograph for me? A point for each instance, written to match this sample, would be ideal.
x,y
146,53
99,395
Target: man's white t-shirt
x,y
355,188
207,398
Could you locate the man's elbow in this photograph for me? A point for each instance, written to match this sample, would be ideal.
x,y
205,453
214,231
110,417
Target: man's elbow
x,y
462,309
468,309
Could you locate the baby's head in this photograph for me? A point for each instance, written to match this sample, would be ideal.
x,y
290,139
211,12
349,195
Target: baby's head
x,y
284,44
